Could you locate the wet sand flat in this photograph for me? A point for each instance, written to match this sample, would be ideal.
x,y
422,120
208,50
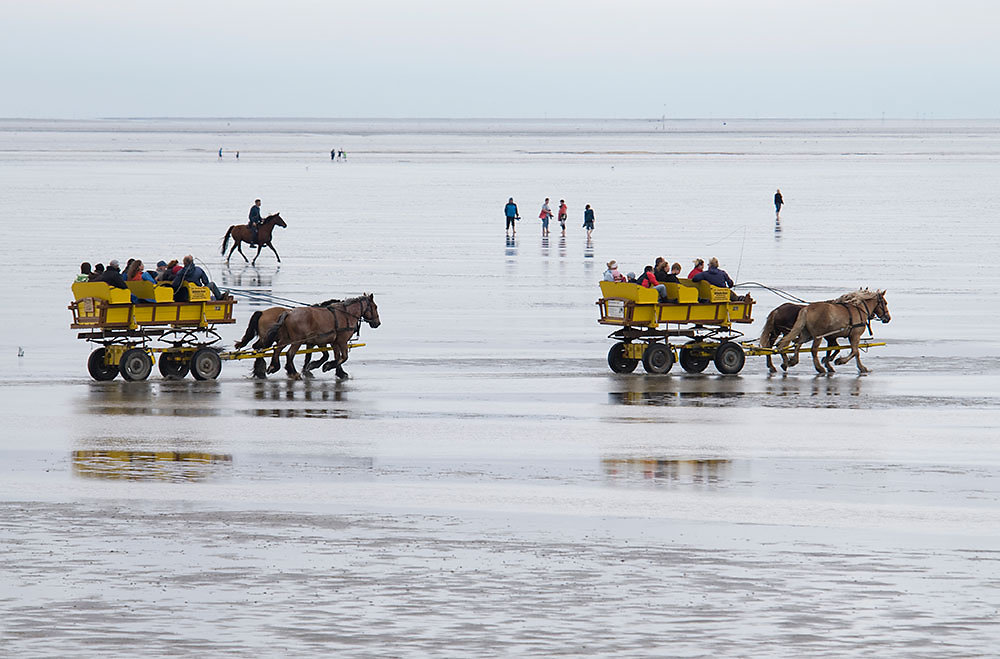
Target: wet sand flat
x,y
483,484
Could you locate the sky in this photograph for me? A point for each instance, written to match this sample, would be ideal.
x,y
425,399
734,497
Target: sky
x,y
516,58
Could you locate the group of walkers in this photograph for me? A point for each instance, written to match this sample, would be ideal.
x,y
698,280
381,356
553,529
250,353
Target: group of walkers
x,y
545,215
656,276
172,273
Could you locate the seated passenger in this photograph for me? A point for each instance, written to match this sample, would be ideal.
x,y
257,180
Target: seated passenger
x,y
136,273
161,271
698,268
714,275
84,272
612,274
648,280
98,271
670,277
112,275
661,270
192,273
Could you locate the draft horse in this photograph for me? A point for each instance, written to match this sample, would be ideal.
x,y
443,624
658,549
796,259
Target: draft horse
x,y
848,316
260,324
242,233
779,323
330,324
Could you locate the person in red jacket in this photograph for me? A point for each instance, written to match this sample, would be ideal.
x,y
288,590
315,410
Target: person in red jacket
x,y
699,266
648,280
563,214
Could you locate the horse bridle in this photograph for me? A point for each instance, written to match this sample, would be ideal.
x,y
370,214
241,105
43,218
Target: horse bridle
x,y
869,313
365,303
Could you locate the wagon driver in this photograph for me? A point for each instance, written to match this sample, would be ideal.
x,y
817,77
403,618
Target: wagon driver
x,y
255,220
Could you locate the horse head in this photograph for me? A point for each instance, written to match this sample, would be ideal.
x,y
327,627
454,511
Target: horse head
x,y
276,218
369,311
881,310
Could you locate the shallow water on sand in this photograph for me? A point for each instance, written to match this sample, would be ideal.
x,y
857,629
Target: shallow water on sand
x,y
483,483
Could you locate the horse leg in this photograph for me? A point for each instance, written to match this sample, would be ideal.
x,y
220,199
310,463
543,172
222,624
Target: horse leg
x,y
275,361
815,356
275,252
306,368
831,341
324,356
854,337
258,368
254,262
290,364
239,247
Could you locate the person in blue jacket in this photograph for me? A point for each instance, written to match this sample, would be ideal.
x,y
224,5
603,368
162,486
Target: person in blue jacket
x,y
255,220
714,275
510,212
195,275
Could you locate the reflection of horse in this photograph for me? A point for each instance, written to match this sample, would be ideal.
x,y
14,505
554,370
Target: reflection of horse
x,y
332,323
848,316
242,233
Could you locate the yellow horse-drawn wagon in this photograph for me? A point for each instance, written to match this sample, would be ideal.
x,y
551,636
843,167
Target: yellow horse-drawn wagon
x,y
123,322
701,313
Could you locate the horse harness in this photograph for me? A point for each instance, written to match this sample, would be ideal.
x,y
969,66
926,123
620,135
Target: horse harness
x,y
866,319
357,317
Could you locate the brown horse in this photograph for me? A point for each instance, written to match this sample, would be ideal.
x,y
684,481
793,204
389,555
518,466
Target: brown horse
x,y
330,324
260,324
242,233
848,316
779,323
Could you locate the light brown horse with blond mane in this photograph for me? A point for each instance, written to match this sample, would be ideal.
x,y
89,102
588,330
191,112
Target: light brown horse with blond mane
x,y
849,315
332,324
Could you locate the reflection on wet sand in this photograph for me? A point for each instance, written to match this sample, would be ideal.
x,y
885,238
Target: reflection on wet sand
x,y
249,275
711,392
149,465
324,390
665,471
154,398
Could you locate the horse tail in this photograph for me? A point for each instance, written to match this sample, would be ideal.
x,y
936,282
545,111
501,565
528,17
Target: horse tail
x,y
225,241
797,329
768,334
251,330
272,334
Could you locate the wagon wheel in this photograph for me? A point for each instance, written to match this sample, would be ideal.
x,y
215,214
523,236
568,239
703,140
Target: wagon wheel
x,y
98,369
174,366
657,358
205,364
730,358
135,364
617,360
690,360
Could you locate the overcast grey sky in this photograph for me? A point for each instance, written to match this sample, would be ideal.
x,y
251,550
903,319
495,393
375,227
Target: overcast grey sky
x,y
517,58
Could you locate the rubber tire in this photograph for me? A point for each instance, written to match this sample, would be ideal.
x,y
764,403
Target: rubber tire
x,y
691,362
174,366
205,364
617,360
135,365
730,358
98,369
657,359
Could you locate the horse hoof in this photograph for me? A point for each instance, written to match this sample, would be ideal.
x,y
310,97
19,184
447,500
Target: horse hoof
x,y
271,371
327,367
294,376
342,375
308,375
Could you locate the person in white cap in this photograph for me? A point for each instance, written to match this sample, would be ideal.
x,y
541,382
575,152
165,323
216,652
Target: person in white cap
x,y
612,274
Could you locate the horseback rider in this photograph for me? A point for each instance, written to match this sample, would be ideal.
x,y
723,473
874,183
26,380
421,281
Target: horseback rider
x,y
255,221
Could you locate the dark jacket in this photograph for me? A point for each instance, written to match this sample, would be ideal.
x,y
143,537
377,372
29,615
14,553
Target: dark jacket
x,y
715,277
588,216
778,201
510,210
193,274
255,214
113,277
666,277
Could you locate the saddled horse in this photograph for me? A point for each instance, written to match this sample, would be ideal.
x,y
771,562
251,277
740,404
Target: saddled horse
x,y
848,316
241,233
779,323
260,324
330,324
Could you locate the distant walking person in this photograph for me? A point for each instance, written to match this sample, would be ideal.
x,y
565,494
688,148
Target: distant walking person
x,y
544,216
588,220
563,210
220,151
333,154
510,212
255,220
237,155
778,203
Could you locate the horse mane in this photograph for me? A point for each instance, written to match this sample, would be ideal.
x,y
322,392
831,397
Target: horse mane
x,y
271,216
345,303
858,296
326,303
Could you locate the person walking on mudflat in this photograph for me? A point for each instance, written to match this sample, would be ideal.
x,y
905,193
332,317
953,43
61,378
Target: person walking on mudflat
x,y
563,214
510,212
588,220
545,215
778,203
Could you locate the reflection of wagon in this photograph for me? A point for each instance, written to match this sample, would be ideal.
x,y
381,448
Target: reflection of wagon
x,y
125,330
699,312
